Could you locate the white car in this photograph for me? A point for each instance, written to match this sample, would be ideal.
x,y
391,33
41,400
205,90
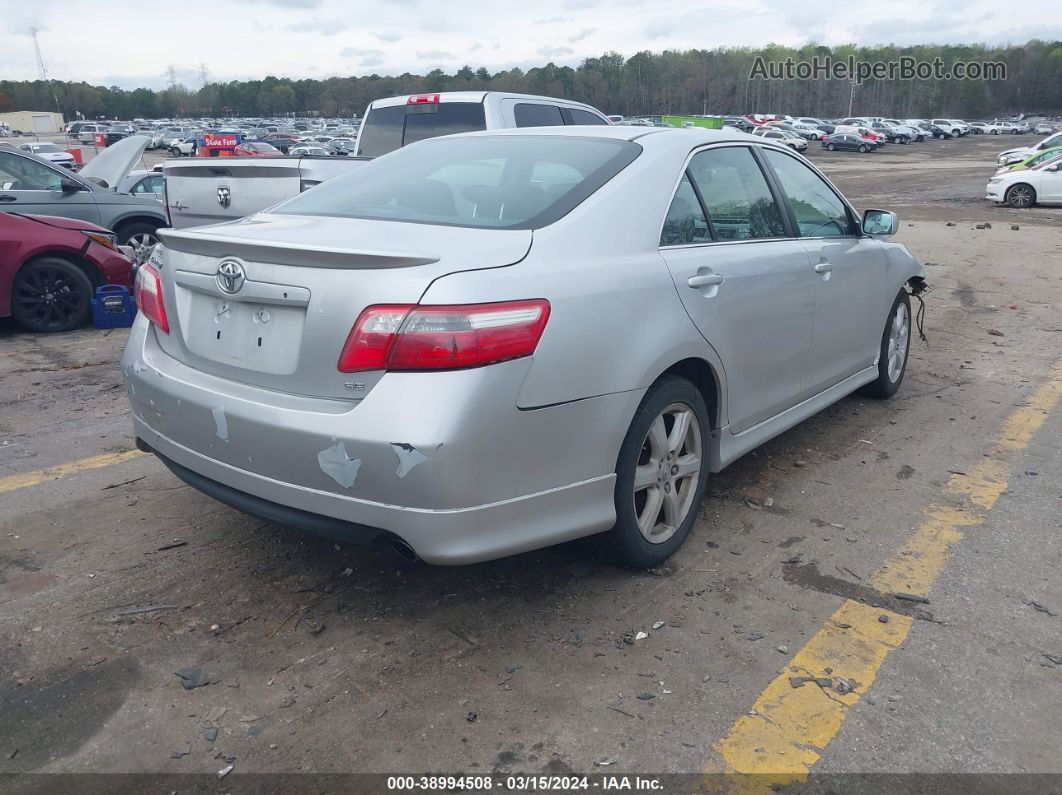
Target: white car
x,y
1040,184
309,151
51,153
1043,128
1016,155
950,126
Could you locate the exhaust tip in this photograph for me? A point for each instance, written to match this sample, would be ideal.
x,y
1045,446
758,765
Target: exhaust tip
x,y
404,550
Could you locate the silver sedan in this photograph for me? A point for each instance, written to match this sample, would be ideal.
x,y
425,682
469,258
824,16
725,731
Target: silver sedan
x,y
488,343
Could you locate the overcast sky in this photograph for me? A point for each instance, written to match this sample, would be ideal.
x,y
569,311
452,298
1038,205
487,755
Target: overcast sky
x,y
131,44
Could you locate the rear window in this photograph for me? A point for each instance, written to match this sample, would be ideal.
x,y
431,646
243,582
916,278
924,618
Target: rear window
x,y
528,114
584,117
502,182
389,128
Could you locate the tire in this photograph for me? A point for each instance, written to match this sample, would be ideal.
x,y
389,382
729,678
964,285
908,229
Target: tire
x,y
863,148
138,234
175,152
51,294
1020,196
895,346
942,136
676,493
994,132
831,147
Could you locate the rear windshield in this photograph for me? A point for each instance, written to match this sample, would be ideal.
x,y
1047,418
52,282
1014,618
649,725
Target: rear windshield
x,y
502,182
389,128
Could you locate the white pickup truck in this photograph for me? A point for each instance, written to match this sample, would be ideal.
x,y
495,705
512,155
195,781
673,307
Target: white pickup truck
x,y
206,190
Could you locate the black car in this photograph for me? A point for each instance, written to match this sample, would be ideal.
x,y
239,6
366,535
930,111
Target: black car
x,y
891,133
280,141
847,141
117,132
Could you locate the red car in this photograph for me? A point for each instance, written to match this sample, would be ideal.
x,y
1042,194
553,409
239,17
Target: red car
x,y
50,268
257,149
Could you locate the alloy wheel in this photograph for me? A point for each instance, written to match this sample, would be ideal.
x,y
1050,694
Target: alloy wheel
x,y
1020,196
899,331
49,297
668,472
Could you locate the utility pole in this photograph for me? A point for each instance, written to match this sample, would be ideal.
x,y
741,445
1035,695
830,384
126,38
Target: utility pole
x,y
851,96
42,72
204,75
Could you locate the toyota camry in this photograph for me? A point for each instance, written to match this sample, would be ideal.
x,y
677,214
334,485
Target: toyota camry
x,y
492,342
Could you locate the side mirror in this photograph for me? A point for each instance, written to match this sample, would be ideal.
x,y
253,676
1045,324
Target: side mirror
x,y
880,222
68,185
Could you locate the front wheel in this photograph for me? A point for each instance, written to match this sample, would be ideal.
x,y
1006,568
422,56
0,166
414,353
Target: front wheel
x,y
1020,196
51,294
895,345
831,147
661,475
139,235
863,148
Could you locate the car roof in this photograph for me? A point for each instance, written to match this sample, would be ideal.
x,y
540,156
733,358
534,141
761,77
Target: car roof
x,y
693,136
472,96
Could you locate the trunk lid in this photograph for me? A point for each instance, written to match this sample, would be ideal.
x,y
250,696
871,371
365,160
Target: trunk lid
x,y
304,282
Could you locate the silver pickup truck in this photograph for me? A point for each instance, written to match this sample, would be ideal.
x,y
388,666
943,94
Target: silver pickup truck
x,y
207,190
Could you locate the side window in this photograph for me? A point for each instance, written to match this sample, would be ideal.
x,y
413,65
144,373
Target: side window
x,y
685,222
21,173
735,192
819,211
533,115
577,116
149,185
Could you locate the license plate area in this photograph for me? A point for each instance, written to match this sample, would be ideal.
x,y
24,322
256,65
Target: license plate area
x,y
247,334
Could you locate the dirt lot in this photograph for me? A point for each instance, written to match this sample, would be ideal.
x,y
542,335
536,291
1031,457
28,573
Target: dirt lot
x,y
317,658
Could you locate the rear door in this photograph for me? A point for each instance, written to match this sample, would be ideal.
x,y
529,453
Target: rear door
x,y
743,279
849,273
29,186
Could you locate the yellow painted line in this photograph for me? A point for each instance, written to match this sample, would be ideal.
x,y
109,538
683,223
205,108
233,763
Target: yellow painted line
x,y
778,741
37,476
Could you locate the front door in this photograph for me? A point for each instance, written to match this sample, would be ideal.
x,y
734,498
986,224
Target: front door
x,y
29,186
743,281
849,275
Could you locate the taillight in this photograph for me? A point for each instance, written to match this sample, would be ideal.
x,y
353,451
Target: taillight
x,y
423,99
414,337
148,294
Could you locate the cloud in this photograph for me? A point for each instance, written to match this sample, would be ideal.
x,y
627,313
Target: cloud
x,y
388,36
326,27
551,52
582,34
371,60
550,20
434,55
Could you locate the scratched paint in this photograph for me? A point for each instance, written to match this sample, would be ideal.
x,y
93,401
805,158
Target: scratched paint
x,y
335,463
408,457
221,423
787,729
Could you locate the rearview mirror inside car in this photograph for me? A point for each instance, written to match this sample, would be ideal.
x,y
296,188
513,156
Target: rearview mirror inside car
x,y
880,222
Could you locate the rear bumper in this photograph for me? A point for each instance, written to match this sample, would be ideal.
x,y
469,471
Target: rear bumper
x,y
443,461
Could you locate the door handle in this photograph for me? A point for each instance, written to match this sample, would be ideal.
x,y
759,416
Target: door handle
x,y
704,280
823,267
8,198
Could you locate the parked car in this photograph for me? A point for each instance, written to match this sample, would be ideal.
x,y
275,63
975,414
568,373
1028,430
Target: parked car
x,y
397,121
143,182
188,147
790,139
739,123
309,150
1016,155
51,153
847,141
257,149
1032,161
948,125
50,267
892,134
116,132
477,390
1043,128
281,141
32,186
342,146
87,132
1041,184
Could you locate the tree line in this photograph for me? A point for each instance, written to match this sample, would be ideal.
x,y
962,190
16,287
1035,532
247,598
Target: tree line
x,y
716,81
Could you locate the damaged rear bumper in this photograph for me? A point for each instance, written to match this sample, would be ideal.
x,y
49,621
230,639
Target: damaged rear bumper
x,y
445,461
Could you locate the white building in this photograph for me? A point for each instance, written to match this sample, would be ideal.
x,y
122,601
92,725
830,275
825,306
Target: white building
x,y
31,121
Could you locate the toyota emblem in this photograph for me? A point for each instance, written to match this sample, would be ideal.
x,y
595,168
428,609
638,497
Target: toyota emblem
x,y
230,276
224,196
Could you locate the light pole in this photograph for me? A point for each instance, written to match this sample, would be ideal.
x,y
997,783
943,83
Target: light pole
x,y
851,96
